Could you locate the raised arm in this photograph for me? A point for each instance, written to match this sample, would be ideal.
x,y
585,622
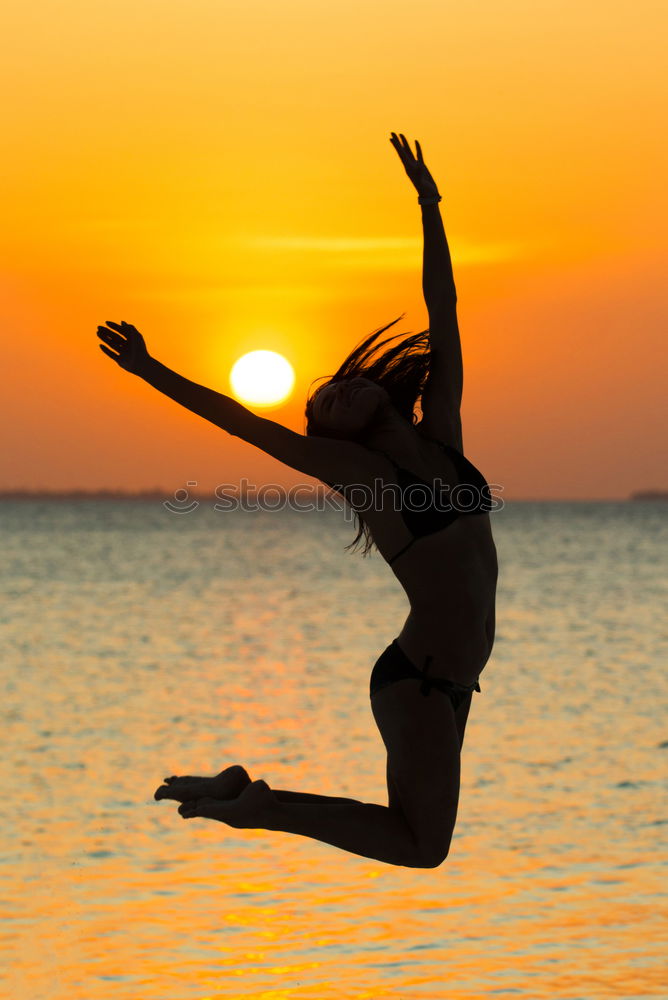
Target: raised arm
x,y
341,462
441,399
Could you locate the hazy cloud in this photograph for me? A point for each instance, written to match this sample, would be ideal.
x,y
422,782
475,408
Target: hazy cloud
x,y
405,250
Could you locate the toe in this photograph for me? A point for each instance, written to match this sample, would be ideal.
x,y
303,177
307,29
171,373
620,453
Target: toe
x,y
206,808
172,789
183,789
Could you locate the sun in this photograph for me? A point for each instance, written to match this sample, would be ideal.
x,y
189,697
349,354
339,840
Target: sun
x,y
262,378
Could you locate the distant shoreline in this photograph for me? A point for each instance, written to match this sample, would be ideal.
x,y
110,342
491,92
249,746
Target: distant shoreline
x,y
83,495
650,495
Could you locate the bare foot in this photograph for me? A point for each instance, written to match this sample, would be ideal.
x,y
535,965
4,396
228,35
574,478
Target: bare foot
x,y
249,811
227,785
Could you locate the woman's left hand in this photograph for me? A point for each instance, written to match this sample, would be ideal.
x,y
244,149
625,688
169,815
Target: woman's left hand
x,y
415,167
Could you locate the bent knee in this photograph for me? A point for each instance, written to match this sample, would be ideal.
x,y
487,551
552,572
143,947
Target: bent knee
x,y
434,858
432,852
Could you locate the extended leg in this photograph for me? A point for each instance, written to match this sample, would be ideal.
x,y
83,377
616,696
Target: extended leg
x,y
423,745
365,829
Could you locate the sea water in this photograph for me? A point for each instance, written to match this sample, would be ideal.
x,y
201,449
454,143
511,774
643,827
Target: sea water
x,y
138,643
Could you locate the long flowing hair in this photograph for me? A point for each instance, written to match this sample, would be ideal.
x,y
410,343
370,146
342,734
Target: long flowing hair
x,y
401,369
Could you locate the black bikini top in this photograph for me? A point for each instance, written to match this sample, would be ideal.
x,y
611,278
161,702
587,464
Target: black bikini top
x,y
425,511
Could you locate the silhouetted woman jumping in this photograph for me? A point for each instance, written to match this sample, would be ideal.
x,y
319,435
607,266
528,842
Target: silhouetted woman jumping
x,y
431,525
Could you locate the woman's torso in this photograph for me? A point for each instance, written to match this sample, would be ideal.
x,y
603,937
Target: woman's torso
x,y
449,576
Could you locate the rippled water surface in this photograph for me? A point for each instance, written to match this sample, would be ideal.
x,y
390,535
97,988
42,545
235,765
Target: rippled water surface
x,y
137,643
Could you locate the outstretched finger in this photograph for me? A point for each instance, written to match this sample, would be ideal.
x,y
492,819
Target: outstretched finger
x,y
419,151
407,145
405,155
110,353
118,327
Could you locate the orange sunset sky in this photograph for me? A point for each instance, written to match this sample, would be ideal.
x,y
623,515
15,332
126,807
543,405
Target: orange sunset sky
x,y
220,175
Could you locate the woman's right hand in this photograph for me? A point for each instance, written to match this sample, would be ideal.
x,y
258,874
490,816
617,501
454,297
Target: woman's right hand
x,y
129,348
415,167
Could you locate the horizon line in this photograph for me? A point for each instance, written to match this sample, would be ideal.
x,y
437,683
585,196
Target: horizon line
x,y
157,493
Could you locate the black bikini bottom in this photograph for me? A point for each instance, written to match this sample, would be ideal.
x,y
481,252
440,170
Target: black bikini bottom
x,y
393,665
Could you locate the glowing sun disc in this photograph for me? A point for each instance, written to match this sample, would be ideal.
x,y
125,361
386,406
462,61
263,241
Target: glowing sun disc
x,y
262,378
